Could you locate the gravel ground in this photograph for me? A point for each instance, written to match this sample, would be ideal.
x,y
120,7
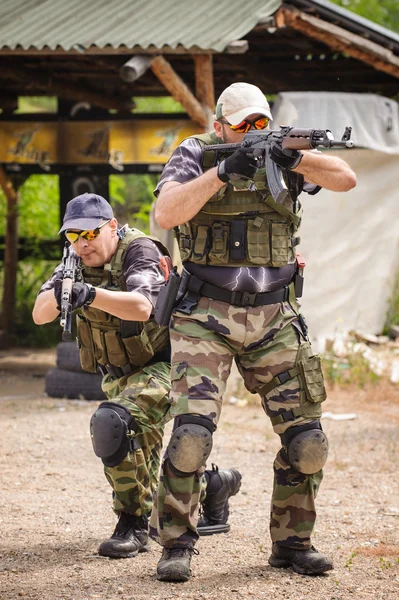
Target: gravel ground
x,y
55,504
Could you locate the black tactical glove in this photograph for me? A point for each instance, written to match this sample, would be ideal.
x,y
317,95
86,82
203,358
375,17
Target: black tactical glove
x,y
285,158
239,164
82,293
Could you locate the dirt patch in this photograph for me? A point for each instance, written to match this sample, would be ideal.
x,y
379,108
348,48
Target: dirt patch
x,y
56,505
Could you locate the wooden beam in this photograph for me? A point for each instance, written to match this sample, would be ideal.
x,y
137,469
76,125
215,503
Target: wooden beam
x,y
63,87
204,87
10,254
339,39
178,89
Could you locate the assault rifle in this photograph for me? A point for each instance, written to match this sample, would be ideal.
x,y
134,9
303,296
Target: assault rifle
x,y
259,142
71,265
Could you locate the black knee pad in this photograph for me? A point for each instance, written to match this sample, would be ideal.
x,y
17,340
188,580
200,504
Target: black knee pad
x,y
307,447
109,428
190,443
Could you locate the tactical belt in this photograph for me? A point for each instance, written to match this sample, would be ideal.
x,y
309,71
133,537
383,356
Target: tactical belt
x,y
196,288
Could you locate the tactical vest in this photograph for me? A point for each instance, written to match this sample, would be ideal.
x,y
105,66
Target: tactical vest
x,y
107,340
239,226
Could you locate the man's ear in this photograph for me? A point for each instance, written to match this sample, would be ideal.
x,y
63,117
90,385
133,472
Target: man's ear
x,y
113,225
218,129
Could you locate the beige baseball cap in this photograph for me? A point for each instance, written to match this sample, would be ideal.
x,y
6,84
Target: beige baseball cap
x,y
240,100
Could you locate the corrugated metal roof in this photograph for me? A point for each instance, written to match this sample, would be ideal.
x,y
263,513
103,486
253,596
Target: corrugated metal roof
x,y
69,24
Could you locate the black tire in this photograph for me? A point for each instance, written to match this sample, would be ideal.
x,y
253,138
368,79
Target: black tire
x,y
71,385
68,357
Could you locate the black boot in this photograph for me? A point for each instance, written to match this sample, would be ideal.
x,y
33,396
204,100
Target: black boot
x,y
174,564
129,538
306,562
214,510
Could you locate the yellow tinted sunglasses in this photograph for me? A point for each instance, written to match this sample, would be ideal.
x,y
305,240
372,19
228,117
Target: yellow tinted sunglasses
x,y
89,235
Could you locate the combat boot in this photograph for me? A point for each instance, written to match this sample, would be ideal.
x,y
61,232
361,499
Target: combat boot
x,y
214,511
306,562
129,538
174,564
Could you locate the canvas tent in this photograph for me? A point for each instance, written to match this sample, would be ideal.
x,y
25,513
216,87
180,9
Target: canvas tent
x,y
350,240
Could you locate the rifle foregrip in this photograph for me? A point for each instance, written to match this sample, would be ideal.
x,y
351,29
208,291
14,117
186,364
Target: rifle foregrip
x,y
297,143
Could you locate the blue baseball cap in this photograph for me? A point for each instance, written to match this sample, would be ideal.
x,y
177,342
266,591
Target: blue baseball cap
x,y
86,212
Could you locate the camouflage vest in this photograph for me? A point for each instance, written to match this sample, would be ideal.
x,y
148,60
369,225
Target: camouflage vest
x,y
239,226
106,339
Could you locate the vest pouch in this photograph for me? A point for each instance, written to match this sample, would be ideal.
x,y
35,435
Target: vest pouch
x,y
86,346
280,238
115,349
185,237
219,254
258,242
201,244
99,346
139,348
311,375
96,315
237,240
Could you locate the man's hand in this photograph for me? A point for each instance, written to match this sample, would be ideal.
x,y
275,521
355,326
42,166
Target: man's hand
x,y
82,293
239,164
285,158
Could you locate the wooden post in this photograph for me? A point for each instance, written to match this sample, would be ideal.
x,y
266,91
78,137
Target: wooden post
x,y
204,88
10,255
178,89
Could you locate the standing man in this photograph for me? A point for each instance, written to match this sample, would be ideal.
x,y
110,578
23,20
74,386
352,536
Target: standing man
x,y
238,253
119,281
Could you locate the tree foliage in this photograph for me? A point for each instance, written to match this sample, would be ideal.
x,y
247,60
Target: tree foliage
x,y
383,12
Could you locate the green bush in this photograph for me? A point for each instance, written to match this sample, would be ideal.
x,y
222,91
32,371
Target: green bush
x,y
353,370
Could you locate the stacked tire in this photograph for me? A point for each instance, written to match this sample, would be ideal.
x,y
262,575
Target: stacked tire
x,y
68,380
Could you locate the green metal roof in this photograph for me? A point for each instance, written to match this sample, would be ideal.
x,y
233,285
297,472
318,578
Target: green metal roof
x,y
81,24
151,24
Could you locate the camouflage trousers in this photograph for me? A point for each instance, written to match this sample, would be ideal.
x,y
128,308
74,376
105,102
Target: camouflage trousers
x,y
265,342
146,395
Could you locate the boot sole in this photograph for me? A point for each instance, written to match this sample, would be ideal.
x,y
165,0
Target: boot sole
x,y
281,563
176,576
116,554
213,529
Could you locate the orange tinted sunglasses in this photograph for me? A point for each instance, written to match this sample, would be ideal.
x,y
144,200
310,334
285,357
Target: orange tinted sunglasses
x,y
246,124
89,235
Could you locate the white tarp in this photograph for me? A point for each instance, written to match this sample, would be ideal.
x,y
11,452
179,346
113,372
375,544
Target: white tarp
x,y
374,119
351,244
350,240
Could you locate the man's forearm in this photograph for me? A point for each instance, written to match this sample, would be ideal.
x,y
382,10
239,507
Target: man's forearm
x,y
45,308
130,306
327,171
177,203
